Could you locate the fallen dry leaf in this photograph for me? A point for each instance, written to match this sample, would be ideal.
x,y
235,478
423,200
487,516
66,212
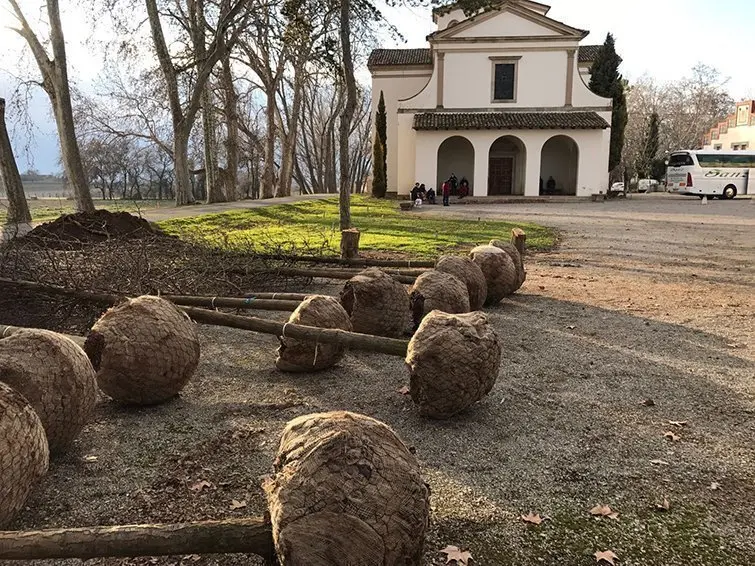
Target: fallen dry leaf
x,y
533,518
571,327
604,511
460,556
668,435
659,463
404,390
90,458
200,485
236,504
678,423
664,505
542,287
715,485
648,403
606,556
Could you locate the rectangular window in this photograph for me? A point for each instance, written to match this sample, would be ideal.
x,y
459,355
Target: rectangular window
x,y
717,146
725,161
504,82
680,160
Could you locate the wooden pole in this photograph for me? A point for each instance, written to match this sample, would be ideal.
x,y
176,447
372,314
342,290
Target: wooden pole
x,y
353,262
354,340
251,535
519,239
336,274
252,302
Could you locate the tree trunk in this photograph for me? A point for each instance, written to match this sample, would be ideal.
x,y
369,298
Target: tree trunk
x,y
18,208
213,187
182,177
350,243
232,125
268,173
289,142
344,198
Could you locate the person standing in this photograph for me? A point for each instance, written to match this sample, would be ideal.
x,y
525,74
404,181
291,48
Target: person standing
x,y
446,192
454,184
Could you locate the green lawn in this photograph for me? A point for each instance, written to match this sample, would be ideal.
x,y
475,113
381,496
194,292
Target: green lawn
x,y
312,227
45,209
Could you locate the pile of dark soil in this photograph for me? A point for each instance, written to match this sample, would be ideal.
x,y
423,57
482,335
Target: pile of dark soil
x,y
91,227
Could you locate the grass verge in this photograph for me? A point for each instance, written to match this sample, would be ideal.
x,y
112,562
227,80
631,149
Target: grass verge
x,y
312,227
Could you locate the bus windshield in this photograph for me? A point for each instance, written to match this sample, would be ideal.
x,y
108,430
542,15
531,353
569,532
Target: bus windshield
x,y
680,160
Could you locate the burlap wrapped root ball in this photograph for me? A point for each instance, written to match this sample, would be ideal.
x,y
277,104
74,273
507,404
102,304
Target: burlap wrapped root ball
x,y
499,270
453,362
24,454
144,350
470,273
516,257
306,355
376,303
437,290
346,492
55,376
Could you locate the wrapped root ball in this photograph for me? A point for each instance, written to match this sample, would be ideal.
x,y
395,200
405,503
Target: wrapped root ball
x,y
470,273
437,290
144,350
499,270
305,355
346,492
24,454
453,362
56,378
515,256
376,303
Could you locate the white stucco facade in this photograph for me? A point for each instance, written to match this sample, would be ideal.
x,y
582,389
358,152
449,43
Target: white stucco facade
x,y
737,132
446,113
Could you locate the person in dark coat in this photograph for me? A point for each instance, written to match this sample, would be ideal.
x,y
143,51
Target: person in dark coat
x,y
431,195
415,192
454,183
463,188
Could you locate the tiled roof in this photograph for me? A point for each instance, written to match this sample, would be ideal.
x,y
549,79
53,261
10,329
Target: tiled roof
x,y
588,53
391,57
422,56
509,121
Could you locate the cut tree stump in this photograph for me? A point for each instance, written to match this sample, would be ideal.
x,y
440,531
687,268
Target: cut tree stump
x,y
350,243
250,535
519,239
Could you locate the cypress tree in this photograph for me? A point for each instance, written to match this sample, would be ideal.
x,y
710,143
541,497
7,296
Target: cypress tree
x,y
650,151
382,135
378,171
605,80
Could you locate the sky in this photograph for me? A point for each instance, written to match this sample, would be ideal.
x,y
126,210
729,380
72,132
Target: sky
x,y
661,38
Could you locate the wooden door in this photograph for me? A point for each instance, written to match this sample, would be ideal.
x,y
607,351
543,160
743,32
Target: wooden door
x,y
500,175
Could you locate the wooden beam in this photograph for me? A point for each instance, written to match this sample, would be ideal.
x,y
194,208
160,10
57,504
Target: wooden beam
x,y
250,535
519,239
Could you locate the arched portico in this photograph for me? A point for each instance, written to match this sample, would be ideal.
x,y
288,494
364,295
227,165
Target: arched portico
x,y
507,160
559,166
455,157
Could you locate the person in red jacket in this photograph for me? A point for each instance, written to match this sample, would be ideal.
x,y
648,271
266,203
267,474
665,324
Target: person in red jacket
x,y
446,192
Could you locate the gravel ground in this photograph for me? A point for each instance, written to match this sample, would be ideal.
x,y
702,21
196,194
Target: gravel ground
x,y
649,298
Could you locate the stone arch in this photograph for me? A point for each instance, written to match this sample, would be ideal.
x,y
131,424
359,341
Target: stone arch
x,y
455,156
559,159
507,162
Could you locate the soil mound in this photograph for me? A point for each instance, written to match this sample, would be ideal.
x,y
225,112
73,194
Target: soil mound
x,y
89,227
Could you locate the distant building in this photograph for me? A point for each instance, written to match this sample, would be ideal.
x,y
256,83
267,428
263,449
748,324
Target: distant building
x,y
737,132
500,98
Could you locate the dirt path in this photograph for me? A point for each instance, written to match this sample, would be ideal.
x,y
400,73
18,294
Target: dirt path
x,y
649,299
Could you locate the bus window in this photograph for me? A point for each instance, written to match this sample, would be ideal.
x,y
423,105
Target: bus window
x,y
680,160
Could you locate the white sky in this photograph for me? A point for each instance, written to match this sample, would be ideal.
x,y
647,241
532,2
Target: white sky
x,y
661,38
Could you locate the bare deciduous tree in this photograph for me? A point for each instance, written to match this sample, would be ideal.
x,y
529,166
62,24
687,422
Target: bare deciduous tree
x,y
10,179
55,83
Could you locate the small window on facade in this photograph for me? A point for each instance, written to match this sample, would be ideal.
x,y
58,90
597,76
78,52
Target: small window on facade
x,y
504,82
452,23
717,146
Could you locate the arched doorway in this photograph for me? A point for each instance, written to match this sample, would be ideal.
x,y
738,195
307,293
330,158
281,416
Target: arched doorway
x,y
506,166
559,162
455,157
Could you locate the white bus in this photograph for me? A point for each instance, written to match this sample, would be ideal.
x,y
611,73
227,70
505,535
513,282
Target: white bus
x,y
712,173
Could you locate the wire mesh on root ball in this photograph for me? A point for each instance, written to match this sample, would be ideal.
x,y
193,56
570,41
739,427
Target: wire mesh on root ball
x,y
516,257
470,273
437,290
24,454
453,362
376,303
144,350
499,270
346,491
55,376
305,355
